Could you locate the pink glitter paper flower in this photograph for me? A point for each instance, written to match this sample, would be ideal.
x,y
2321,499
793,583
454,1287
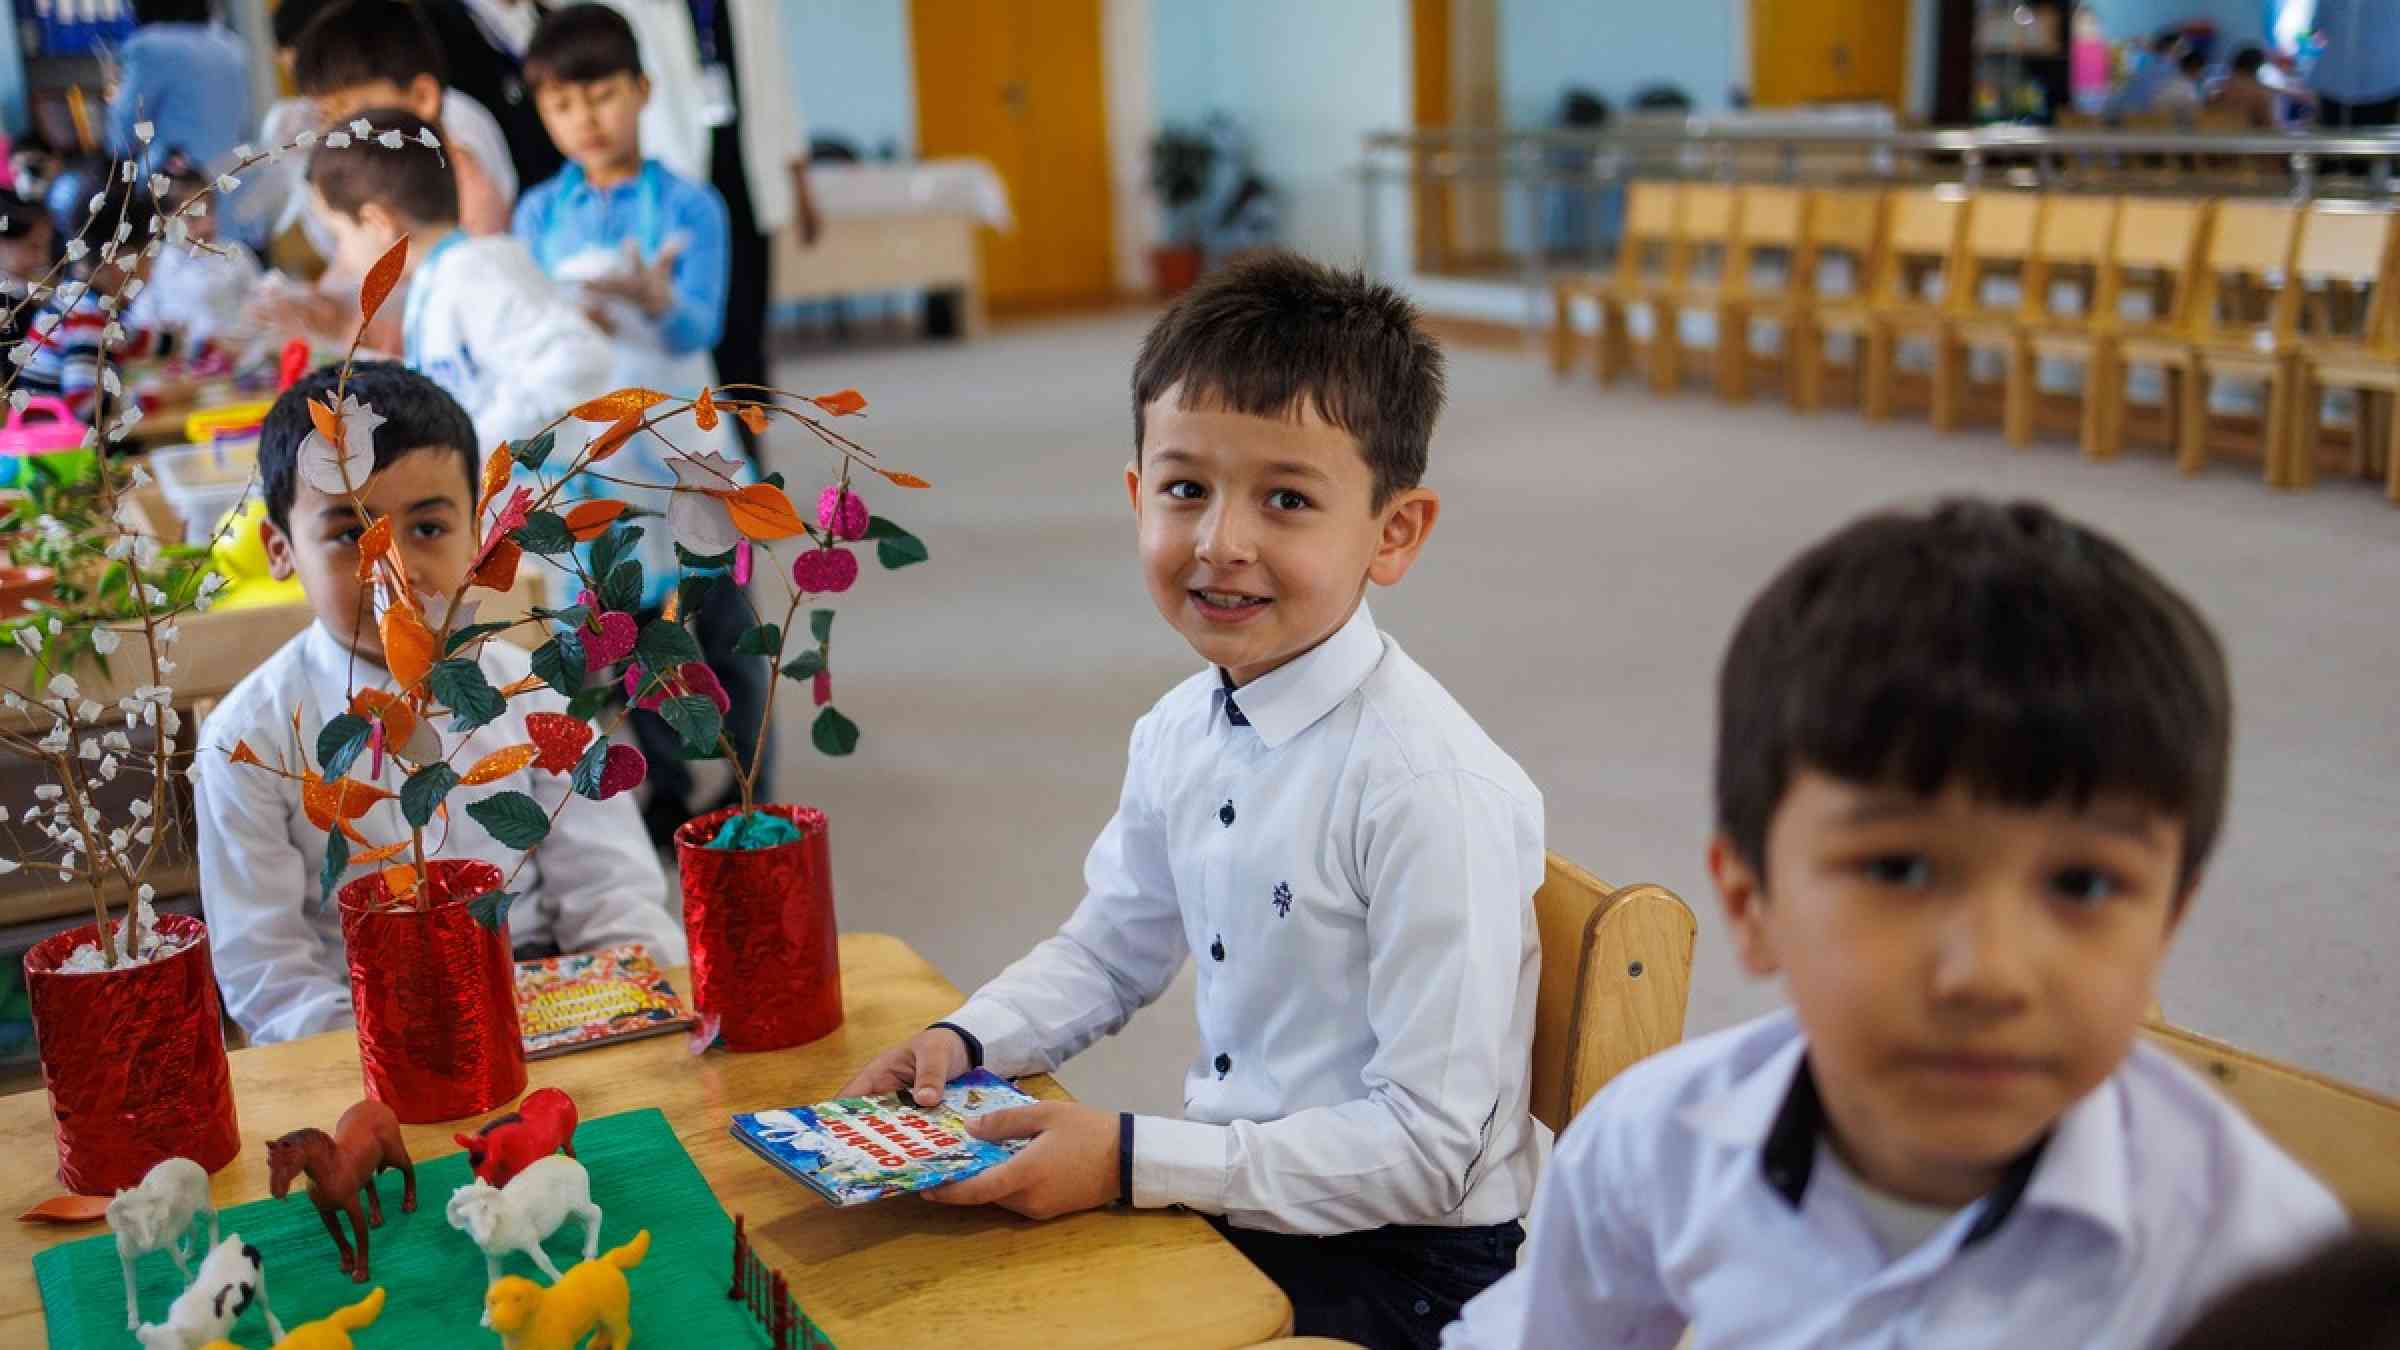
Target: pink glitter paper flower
x,y
841,513
825,571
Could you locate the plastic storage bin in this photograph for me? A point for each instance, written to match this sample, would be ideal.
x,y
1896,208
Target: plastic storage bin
x,y
205,482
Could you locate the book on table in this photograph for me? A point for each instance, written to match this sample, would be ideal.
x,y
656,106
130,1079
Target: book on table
x,y
584,999
852,1150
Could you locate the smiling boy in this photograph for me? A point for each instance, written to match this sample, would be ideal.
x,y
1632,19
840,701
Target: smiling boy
x,y
1351,857
1970,764
277,936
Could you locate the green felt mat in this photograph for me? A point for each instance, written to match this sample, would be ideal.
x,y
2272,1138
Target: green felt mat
x,y
432,1274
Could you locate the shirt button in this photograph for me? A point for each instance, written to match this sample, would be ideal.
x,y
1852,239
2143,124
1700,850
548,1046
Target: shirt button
x,y
1225,813
1224,1065
1216,949
1423,1307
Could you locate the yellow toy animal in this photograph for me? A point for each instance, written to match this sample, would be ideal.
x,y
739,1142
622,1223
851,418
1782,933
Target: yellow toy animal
x,y
591,1297
331,1332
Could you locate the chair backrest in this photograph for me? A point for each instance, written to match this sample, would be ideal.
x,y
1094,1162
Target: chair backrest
x,y
2000,236
2073,240
2249,270
1653,211
2349,1137
2346,249
1924,230
1773,217
1844,223
1616,975
2159,242
1708,224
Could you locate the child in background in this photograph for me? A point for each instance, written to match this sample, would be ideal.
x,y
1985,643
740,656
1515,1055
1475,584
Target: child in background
x,y
648,252
277,936
479,316
28,250
195,293
2343,1296
60,355
1970,765
1354,856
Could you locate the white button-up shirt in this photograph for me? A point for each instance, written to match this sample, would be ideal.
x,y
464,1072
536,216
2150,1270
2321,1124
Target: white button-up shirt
x,y
1354,866
275,939
1695,1188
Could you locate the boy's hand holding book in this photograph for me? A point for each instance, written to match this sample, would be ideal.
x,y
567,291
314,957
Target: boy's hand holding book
x,y
921,1065
1070,1166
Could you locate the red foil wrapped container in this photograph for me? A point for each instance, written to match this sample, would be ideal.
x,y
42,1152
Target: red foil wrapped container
x,y
765,957
436,996
134,1059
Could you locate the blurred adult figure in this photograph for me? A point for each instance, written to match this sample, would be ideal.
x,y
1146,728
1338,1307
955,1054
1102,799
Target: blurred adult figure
x,y
186,75
2357,79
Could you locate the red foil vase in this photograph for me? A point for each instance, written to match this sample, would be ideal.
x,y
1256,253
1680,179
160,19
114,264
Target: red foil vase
x,y
435,993
134,1059
765,957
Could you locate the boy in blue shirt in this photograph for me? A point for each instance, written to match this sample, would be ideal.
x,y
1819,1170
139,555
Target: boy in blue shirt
x,y
1970,763
649,251
1345,856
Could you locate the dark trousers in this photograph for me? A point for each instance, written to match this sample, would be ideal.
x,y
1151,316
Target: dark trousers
x,y
722,621
2333,114
1387,1287
741,352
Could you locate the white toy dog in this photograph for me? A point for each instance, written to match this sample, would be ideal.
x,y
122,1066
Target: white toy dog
x,y
230,1278
159,1215
518,1216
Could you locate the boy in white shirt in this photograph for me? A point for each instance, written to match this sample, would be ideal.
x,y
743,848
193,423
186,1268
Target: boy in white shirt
x,y
1353,860
479,315
277,936
1970,763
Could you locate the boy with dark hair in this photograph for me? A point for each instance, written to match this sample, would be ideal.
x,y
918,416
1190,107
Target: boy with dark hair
x,y
277,936
1970,765
1352,855
194,295
107,235
362,54
479,317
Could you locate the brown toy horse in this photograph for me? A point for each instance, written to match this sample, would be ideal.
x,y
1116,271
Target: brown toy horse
x,y
342,1167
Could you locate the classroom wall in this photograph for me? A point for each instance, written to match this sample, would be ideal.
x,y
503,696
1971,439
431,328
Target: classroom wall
x,y
2236,20
852,72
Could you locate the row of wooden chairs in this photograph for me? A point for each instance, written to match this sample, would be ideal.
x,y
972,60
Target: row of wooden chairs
x,y
2295,295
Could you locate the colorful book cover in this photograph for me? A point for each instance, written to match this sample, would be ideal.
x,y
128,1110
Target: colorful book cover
x,y
592,998
855,1149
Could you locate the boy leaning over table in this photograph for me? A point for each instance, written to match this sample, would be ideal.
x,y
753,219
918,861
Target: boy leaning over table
x,y
1351,858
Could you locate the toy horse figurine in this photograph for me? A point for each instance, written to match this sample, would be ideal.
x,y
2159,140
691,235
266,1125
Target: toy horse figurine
x,y
341,1168
542,1124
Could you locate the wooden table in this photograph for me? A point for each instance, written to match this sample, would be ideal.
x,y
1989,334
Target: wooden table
x,y
902,1272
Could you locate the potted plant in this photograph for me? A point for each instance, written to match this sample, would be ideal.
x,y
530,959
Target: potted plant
x,y
1180,160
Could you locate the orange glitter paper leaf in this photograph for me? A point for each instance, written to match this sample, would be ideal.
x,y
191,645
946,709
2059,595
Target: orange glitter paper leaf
x,y
500,764
499,571
372,545
408,646
589,520
613,439
496,469
906,480
384,854
68,1209
381,278
243,754
524,686
843,404
345,799
327,422
621,404
704,412
399,720
762,512
753,417
397,881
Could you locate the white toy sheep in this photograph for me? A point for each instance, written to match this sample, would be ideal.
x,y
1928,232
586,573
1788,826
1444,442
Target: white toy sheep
x,y
518,1216
159,1215
229,1279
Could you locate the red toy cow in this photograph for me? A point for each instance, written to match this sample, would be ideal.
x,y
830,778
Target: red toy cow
x,y
542,1124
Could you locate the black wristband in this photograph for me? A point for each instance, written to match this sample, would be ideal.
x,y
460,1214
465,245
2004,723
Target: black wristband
x,y
1125,1158
974,1047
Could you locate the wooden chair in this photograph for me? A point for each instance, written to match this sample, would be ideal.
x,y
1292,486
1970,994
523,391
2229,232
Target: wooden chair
x,y
2349,1137
2001,234
2243,310
1616,974
1923,231
1645,268
2076,236
2156,250
1773,220
1706,232
2346,250
1844,227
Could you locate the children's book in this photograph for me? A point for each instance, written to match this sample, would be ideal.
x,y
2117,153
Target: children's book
x,y
855,1149
592,998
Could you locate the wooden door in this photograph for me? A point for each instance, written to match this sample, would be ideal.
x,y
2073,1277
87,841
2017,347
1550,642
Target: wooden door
x,y
1828,51
1018,83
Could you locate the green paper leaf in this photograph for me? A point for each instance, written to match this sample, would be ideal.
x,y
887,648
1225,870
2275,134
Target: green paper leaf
x,y
560,663
586,778
774,480
881,527
591,702
905,551
573,616
833,734
622,587
666,646
696,719
805,666
544,532
516,820
337,857
532,453
422,794
614,546
339,742
820,623
765,640
471,632
460,684
491,908
692,591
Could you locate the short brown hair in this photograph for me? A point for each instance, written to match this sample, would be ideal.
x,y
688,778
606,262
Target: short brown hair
x,y
581,44
412,181
361,41
1268,330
